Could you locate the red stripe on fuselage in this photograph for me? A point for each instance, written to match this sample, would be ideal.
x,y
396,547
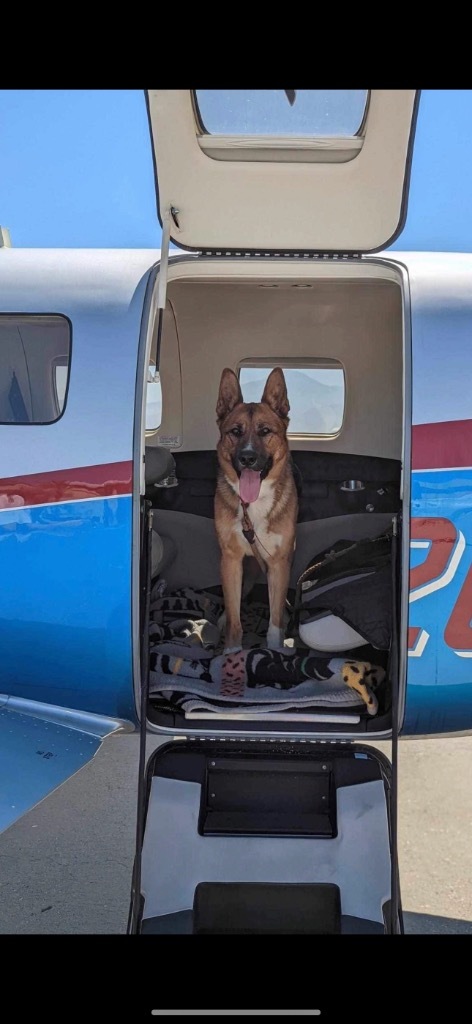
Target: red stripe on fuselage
x,y
434,446
67,485
442,445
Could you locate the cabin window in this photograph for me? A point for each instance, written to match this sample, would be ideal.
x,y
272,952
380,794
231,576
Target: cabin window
x,y
34,367
316,392
278,112
153,411
153,399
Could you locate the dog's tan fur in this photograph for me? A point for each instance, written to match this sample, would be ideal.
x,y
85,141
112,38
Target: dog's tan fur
x,y
274,513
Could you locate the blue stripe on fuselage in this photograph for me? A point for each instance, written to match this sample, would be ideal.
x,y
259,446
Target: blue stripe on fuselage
x,y
65,607
65,604
439,681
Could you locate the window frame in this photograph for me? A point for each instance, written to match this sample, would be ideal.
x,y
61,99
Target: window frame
x,y
43,315
297,139
300,363
279,148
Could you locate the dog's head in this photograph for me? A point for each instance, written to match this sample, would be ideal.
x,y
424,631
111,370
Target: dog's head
x,y
253,443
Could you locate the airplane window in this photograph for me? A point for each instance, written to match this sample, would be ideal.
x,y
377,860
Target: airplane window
x,y
153,399
316,394
310,112
34,367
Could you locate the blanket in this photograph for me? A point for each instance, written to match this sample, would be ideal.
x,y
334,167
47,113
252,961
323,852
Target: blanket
x,y
187,662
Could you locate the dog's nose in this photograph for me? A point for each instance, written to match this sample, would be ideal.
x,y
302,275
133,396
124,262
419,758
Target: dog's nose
x,y
247,459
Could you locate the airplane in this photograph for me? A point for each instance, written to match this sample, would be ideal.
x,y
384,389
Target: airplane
x,y
276,220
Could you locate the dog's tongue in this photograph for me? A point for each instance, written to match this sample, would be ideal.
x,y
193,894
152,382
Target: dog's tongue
x,y
249,485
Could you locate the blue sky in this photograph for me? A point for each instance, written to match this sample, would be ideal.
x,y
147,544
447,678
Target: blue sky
x,y
76,170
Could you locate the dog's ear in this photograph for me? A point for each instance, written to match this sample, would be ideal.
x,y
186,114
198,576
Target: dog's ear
x,y
229,395
275,393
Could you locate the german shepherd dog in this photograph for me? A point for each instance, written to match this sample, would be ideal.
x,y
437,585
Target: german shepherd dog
x,y
256,503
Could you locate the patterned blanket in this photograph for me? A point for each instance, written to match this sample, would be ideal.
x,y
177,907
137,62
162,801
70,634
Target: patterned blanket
x,y
188,667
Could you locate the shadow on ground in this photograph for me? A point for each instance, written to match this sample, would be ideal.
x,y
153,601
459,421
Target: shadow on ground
x,y
65,867
431,924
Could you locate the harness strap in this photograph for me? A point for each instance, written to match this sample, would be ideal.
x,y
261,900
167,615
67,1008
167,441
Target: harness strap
x,y
249,534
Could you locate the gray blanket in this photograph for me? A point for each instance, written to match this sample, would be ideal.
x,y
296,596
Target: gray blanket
x,y
186,663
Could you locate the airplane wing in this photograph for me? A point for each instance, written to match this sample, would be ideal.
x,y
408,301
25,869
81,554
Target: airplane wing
x,y
40,748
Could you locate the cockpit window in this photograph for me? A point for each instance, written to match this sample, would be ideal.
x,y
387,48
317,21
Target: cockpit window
x,y
34,367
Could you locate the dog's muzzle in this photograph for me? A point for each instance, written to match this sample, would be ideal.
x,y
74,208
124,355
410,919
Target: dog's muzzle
x,y
249,458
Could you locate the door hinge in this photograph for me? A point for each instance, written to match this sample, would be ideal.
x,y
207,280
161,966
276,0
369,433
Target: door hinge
x,y
270,740
170,217
304,254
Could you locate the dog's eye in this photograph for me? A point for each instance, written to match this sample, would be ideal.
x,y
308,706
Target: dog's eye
x,y
264,431
236,431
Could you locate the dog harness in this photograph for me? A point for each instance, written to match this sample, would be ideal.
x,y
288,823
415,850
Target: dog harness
x,y
250,535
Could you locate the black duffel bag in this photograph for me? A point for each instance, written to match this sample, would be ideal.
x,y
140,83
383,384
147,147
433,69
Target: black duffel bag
x,y
343,598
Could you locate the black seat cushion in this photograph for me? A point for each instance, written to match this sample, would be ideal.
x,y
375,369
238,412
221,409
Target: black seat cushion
x,y
319,477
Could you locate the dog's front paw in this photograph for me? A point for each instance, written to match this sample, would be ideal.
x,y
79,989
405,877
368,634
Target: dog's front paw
x,y
275,638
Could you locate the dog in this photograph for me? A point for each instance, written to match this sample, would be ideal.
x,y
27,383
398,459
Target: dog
x,y
256,501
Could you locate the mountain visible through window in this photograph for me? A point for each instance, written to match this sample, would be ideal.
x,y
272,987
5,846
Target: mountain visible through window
x,y
316,395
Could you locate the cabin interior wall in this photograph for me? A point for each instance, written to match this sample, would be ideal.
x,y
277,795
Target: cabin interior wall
x,y
210,324
219,323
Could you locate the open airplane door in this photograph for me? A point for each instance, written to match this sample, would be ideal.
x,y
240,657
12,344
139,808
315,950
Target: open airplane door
x,y
250,822
274,173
